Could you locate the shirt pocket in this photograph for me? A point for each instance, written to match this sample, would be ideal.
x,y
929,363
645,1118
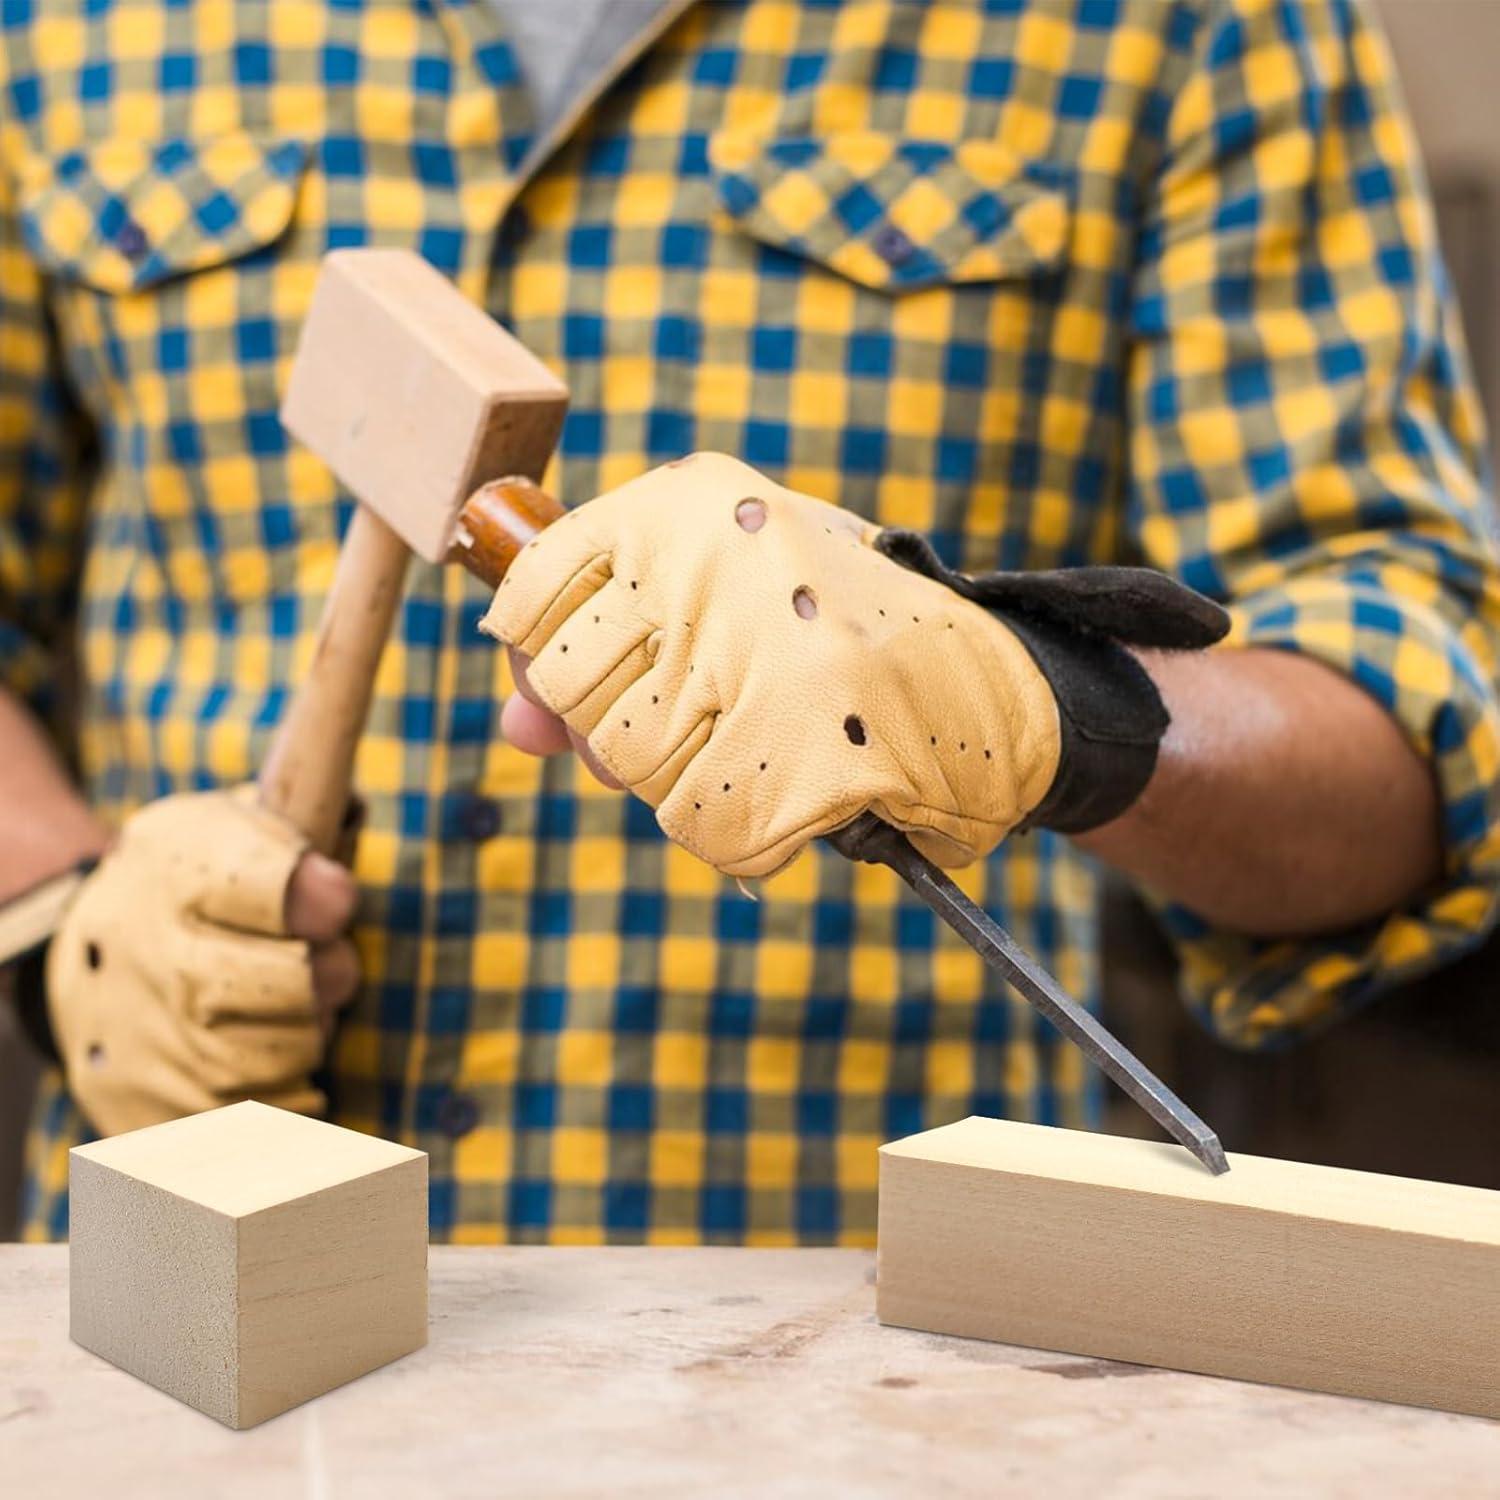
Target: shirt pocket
x,y
126,216
168,264
896,215
935,273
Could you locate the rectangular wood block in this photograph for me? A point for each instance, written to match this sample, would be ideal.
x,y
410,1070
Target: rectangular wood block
x,y
247,1259
1280,1272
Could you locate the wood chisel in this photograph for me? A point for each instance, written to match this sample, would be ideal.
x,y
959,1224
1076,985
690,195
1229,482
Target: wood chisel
x,y
872,841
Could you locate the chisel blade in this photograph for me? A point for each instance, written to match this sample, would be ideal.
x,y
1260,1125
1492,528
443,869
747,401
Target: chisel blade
x,y
869,839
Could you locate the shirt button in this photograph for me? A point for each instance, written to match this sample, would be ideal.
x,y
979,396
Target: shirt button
x,y
479,818
457,1115
893,245
130,240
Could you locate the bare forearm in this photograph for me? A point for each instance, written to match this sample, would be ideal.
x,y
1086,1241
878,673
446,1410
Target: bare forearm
x,y
48,825
1285,800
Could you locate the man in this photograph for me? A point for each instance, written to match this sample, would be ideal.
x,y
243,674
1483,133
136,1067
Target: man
x,y
1051,284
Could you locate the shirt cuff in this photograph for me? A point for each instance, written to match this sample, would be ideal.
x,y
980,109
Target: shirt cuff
x,y
1384,635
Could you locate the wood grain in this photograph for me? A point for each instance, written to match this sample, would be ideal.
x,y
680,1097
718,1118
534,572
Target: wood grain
x,y
247,1259
1279,1272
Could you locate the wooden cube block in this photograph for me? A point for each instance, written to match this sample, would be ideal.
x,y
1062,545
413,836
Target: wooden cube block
x,y
1281,1272
247,1259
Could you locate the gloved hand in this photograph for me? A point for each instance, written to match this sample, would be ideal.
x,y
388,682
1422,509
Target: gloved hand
x,y
179,981
760,668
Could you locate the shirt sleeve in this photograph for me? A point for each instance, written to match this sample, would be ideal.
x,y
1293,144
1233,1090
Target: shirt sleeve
x,y
1306,446
46,459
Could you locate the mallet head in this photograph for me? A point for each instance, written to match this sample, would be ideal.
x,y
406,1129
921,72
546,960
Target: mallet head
x,y
413,396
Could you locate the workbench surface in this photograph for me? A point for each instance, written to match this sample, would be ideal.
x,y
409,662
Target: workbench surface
x,y
698,1372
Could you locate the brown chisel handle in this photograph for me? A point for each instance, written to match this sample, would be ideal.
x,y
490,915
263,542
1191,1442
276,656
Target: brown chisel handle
x,y
497,520
308,773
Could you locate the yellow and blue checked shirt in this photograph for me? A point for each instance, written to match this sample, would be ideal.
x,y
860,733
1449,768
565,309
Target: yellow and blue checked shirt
x,y
1054,282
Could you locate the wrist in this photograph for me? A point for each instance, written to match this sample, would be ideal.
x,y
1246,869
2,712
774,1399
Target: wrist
x,y
77,839
1111,720
1077,624
1109,839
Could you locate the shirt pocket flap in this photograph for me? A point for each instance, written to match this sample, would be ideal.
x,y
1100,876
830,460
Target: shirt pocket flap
x,y
896,214
125,215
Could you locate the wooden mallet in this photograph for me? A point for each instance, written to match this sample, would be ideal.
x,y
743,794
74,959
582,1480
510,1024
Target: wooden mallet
x,y
440,423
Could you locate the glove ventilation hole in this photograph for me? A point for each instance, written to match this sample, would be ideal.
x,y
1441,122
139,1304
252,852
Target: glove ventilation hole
x,y
750,514
854,727
805,602
93,955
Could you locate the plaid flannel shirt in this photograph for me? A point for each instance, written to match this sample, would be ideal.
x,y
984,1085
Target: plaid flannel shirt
x,y
1054,282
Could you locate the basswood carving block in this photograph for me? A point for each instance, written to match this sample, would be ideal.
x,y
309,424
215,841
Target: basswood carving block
x,y
1280,1272
247,1259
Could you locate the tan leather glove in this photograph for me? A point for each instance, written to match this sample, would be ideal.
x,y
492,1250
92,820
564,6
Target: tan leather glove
x,y
742,658
172,987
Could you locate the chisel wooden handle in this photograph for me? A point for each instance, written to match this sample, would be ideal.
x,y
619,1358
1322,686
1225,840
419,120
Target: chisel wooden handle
x,y
497,520
307,777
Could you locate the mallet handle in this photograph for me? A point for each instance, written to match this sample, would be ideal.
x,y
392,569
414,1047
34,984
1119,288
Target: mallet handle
x,y
308,774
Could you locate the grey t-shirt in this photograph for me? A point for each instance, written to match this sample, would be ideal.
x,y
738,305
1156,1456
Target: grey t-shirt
x,y
564,45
